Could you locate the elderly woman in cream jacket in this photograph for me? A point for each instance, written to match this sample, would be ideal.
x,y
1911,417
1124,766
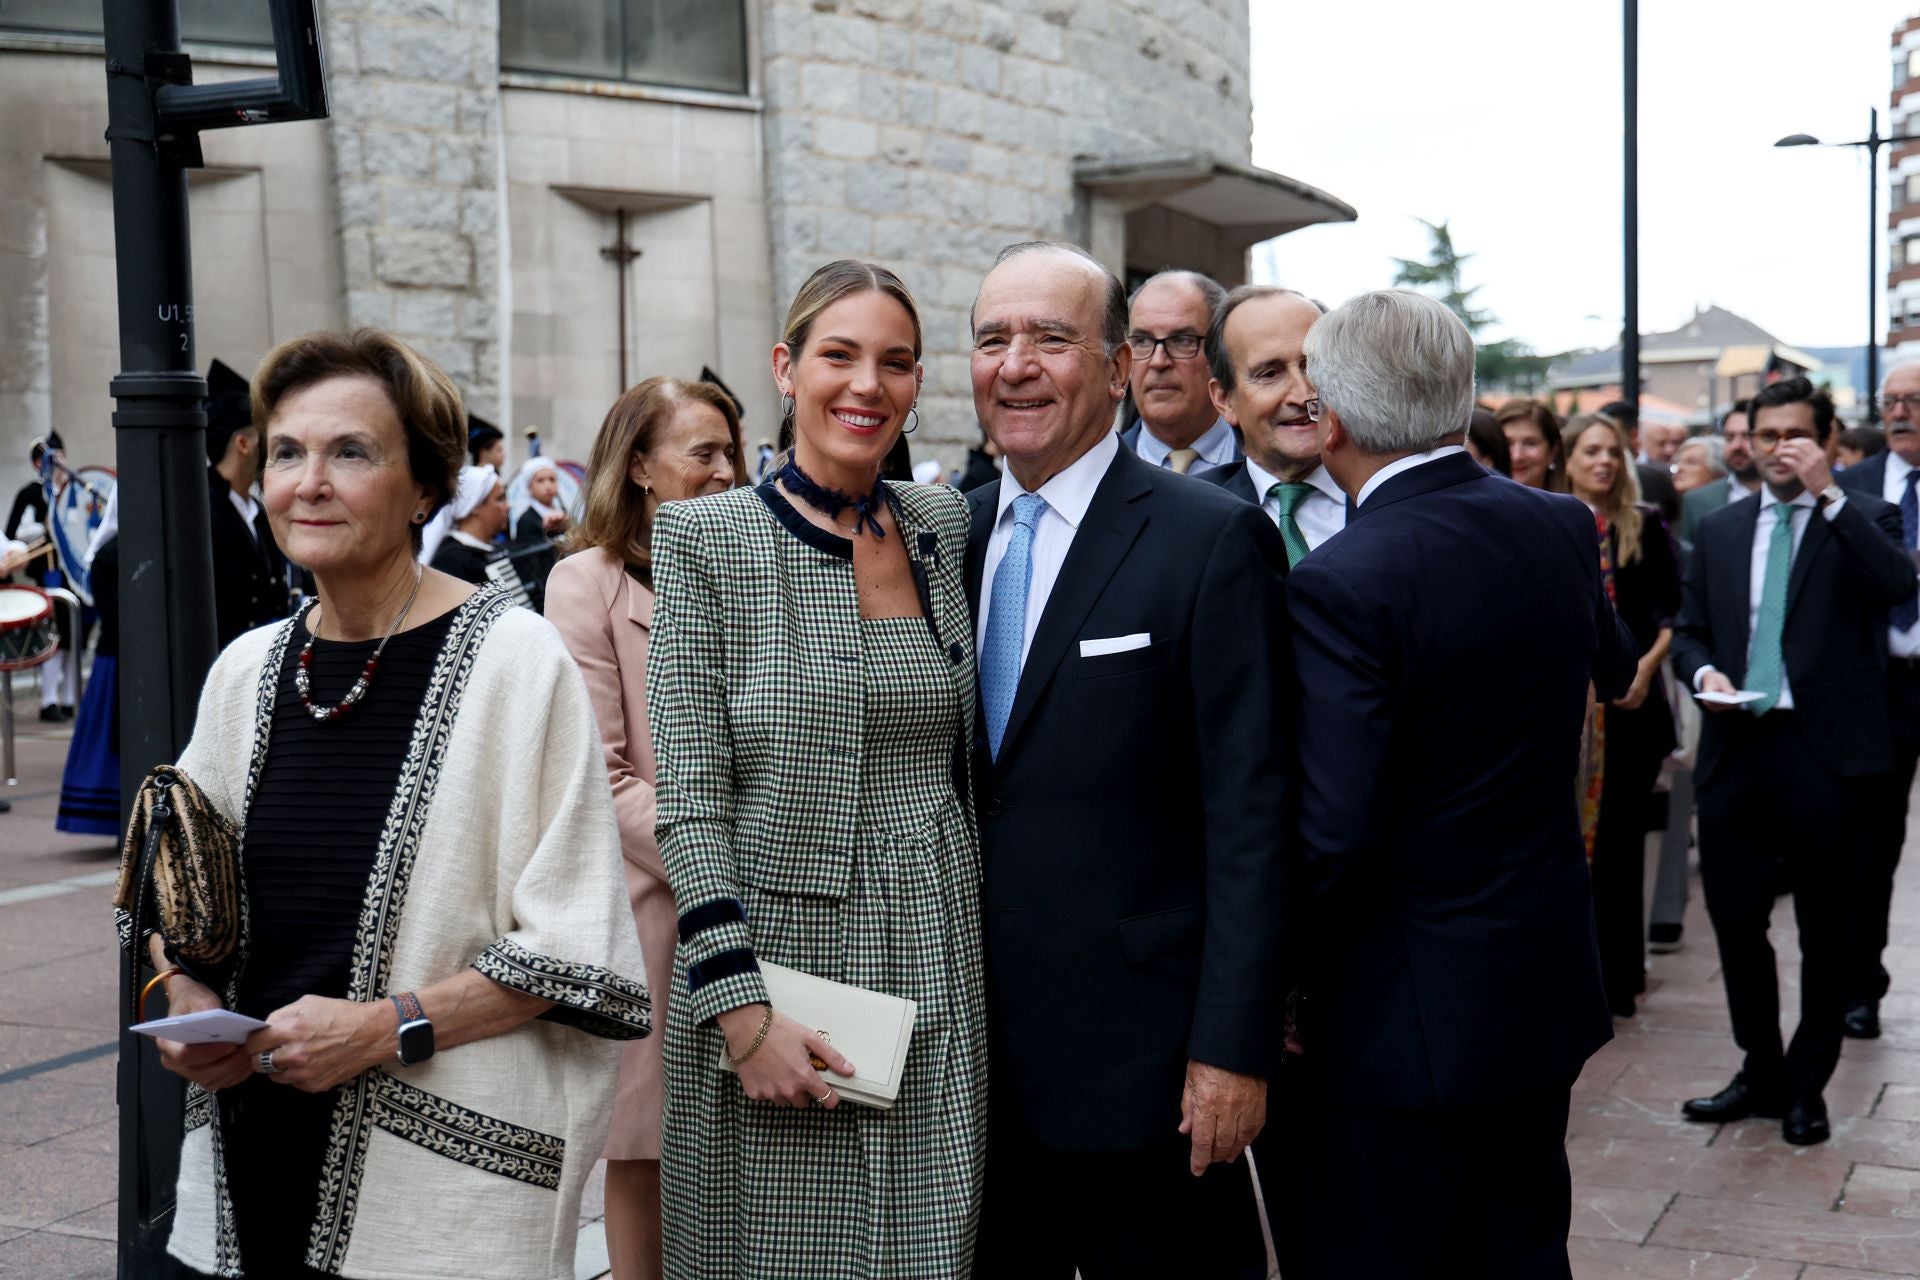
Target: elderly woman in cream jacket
x,y
433,923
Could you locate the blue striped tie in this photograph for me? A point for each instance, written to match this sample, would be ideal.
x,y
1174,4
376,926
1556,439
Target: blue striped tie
x,y
1907,612
1007,620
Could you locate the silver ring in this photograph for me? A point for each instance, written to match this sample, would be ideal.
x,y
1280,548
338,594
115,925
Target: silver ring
x,y
265,1059
828,1094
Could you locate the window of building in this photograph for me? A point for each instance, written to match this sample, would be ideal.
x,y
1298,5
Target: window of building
x,y
1910,252
1910,189
1912,64
689,44
214,21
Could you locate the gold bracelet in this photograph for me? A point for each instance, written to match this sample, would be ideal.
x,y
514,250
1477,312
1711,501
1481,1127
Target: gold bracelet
x,y
766,1025
158,979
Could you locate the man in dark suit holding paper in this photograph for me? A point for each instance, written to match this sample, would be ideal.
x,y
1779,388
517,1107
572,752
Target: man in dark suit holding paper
x,y
1451,976
1787,596
1129,781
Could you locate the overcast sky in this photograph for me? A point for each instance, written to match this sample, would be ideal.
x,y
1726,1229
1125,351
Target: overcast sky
x,y
1504,117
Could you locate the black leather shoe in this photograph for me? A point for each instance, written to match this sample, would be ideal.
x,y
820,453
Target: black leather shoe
x,y
1736,1102
1806,1123
1863,1021
50,714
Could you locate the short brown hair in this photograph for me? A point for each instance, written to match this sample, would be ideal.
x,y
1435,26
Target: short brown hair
x,y
1547,423
424,398
616,518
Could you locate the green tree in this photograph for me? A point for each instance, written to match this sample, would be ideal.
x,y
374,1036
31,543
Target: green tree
x,y
1507,363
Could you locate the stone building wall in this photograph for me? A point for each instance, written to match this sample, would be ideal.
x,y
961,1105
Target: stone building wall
x,y
415,86
926,134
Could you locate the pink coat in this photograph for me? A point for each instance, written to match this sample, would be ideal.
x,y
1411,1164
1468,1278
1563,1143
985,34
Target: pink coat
x,y
605,616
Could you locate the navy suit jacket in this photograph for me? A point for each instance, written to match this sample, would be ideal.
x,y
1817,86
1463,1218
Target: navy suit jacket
x,y
1133,829
1848,572
1869,477
1443,644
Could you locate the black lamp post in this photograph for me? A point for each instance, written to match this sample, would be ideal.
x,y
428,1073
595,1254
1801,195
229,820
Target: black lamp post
x,y
1872,142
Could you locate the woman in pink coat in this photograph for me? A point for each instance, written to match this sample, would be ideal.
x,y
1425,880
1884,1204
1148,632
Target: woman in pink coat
x,y
663,441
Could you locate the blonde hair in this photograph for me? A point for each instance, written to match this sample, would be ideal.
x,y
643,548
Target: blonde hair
x,y
617,519
429,406
1621,505
839,279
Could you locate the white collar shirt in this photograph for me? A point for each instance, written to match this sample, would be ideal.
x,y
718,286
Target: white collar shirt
x,y
1216,447
1067,495
1399,465
1900,643
249,511
1320,515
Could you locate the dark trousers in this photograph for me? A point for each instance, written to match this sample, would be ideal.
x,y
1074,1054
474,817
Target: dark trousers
x,y
1114,1215
1771,803
1478,1192
1886,827
1636,744
1290,1155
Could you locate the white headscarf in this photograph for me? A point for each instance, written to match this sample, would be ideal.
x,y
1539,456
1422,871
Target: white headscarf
x,y
520,492
109,526
928,471
476,485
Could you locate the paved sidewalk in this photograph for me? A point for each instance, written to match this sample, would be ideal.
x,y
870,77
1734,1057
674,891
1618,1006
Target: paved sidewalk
x,y
1654,1196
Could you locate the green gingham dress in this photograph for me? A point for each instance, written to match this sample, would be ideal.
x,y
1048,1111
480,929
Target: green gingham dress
x,y
812,781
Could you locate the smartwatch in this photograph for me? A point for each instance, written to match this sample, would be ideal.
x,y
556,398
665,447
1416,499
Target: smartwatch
x,y
416,1033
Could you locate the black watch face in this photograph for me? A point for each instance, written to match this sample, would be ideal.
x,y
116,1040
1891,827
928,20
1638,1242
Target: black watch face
x,y
416,1042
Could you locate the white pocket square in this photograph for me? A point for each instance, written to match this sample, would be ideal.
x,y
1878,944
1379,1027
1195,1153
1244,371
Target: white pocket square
x,y
1118,644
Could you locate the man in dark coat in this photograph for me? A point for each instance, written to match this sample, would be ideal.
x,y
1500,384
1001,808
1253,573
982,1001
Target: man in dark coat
x,y
250,585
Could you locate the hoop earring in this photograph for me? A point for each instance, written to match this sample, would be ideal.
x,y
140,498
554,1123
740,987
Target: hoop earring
x,y
913,414
786,409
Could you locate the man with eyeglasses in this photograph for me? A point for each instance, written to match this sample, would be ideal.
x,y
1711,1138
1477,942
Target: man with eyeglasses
x,y
1743,474
1786,600
1179,427
1891,476
1256,349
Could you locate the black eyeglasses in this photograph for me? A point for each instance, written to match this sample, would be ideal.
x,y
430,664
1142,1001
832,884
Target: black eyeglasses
x,y
1180,346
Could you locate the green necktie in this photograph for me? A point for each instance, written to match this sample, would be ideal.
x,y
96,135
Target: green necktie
x,y
1765,666
1288,498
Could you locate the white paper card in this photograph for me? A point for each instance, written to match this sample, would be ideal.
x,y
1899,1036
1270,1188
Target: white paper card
x,y
209,1026
1118,644
1738,698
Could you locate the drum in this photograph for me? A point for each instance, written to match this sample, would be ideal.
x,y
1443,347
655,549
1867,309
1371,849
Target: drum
x,y
27,635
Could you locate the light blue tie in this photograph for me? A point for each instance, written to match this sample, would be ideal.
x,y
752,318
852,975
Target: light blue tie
x,y
1007,620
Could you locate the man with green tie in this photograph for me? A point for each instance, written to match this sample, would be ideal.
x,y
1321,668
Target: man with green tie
x,y
1259,384
1784,621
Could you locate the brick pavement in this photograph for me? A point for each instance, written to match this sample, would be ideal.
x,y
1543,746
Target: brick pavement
x,y
1654,1196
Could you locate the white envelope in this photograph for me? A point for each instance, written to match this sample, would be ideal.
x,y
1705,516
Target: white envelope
x,y
209,1026
1118,644
1738,698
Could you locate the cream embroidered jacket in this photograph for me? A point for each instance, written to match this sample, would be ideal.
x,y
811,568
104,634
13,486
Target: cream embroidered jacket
x,y
500,852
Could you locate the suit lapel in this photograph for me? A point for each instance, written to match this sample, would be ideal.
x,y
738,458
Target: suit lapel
x,y
1740,574
1812,543
1113,521
981,511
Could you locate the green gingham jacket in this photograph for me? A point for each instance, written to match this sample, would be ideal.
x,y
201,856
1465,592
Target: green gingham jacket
x,y
757,729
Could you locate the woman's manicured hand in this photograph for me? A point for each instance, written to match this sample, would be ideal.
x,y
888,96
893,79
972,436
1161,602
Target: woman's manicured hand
x,y
781,1069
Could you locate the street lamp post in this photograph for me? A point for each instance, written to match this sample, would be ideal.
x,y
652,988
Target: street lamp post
x,y
1872,142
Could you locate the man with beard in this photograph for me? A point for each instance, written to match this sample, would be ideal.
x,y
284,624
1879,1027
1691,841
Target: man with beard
x,y
1743,473
1260,386
1179,428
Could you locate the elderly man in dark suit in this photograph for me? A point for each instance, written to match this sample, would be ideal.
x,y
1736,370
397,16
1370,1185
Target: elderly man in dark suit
x,y
250,584
1179,428
1255,349
1786,598
1451,977
1131,794
1891,476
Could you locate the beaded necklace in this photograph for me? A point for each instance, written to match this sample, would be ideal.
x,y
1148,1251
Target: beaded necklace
x,y
302,678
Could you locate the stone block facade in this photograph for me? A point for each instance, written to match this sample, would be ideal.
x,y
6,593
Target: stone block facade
x,y
416,136
926,134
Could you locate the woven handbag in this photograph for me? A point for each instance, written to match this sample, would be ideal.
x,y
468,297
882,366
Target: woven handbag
x,y
182,857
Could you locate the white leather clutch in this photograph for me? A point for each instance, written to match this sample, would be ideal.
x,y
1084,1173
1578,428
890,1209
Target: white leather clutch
x,y
870,1027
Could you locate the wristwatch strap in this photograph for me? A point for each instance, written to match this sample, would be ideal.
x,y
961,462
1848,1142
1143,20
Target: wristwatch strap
x,y
409,1006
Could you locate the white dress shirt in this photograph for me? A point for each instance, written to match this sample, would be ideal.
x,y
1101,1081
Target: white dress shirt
x,y
249,509
1320,515
1901,644
1216,447
1399,465
1770,509
1067,495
